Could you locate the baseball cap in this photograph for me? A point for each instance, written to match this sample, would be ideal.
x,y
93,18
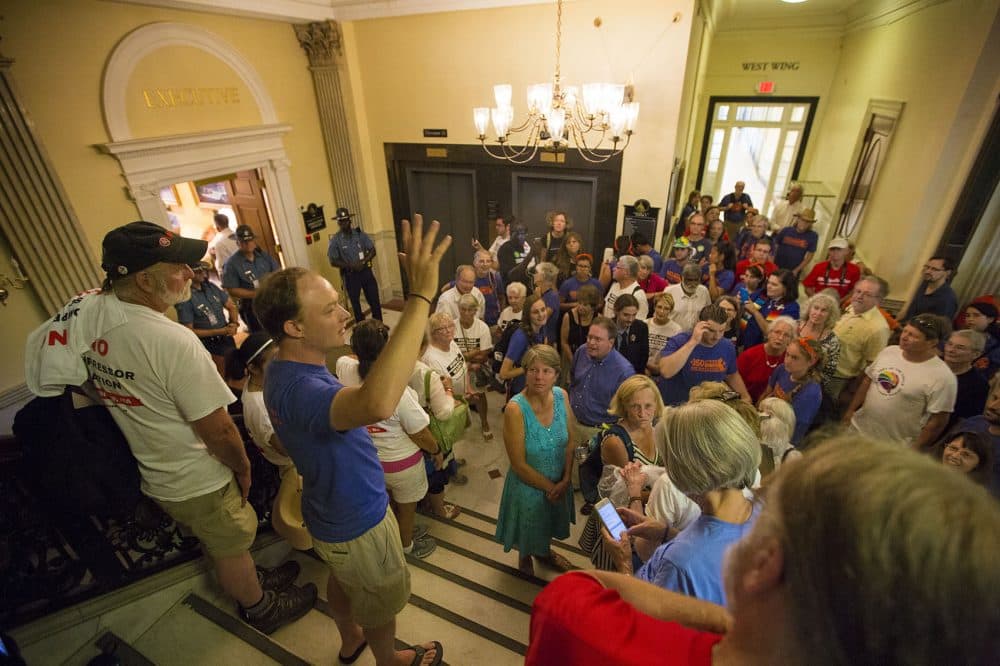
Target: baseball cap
x,y
838,243
139,245
202,266
244,233
682,242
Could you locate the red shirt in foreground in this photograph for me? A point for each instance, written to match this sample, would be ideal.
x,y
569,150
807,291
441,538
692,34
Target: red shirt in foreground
x,y
577,621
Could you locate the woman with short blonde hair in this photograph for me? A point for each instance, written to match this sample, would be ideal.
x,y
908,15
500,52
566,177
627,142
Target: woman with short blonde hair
x,y
711,456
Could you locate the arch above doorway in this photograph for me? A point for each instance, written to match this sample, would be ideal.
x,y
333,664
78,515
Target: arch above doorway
x,y
149,38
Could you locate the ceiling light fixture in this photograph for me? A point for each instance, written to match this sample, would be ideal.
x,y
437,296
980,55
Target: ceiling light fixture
x,y
598,124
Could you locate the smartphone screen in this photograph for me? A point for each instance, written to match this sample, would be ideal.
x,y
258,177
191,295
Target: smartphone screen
x,y
609,516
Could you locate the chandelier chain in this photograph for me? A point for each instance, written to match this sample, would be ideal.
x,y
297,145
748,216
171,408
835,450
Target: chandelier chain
x,y
558,37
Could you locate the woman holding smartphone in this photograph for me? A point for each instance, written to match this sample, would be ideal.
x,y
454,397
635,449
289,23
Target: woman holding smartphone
x,y
713,456
537,501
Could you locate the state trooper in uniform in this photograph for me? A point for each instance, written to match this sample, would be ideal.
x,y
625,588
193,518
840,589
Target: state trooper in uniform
x,y
352,251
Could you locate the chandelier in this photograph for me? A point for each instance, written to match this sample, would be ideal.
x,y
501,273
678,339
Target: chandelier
x,y
598,123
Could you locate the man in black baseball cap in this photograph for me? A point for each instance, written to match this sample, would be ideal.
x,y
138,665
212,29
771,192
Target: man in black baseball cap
x,y
133,247
168,398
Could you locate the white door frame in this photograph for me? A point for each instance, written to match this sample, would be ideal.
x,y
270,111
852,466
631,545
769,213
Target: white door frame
x,y
151,164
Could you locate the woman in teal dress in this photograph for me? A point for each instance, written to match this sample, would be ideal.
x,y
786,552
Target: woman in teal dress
x,y
537,503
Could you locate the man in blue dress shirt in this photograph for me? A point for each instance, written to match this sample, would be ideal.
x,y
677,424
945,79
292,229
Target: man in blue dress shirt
x,y
352,251
597,372
243,272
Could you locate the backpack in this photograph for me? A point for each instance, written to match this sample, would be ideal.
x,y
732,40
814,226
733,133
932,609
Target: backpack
x,y
592,466
500,348
79,460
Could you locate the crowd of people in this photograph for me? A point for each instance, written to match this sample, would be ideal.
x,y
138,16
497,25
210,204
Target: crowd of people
x,y
677,387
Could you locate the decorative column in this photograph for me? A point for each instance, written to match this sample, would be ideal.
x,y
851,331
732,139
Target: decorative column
x,y
35,214
321,42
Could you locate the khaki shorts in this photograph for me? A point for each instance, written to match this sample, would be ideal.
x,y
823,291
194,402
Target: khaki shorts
x,y
371,570
408,486
224,528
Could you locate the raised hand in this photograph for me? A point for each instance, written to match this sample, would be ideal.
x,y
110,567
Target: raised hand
x,y
420,257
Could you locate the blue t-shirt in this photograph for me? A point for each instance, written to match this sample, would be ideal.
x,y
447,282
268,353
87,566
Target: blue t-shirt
x,y
519,344
725,279
770,311
657,260
805,403
706,364
691,563
551,298
791,246
571,285
343,487
671,271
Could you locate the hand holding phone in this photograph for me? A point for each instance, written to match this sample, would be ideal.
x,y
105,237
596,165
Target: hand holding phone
x,y
610,518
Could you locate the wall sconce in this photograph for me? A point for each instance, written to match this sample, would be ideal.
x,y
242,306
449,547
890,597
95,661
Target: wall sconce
x,y
19,281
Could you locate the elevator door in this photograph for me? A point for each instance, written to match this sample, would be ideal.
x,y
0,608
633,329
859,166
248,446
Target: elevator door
x,y
536,194
448,196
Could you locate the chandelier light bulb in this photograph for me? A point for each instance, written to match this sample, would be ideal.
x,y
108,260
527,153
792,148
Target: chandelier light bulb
x,y
556,124
631,116
592,98
502,94
481,116
501,120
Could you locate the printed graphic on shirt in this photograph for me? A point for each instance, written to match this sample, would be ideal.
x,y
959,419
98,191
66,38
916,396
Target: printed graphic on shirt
x,y
456,365
468,344
708,365
890,381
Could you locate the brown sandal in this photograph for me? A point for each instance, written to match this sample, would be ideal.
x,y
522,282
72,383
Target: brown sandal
x,y
558,562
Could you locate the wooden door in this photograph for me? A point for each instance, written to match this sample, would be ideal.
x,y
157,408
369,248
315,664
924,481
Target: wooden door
x,y
448,196
246,194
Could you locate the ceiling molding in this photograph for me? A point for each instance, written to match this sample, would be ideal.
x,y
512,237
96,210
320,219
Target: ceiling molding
x,y
876,17
298,11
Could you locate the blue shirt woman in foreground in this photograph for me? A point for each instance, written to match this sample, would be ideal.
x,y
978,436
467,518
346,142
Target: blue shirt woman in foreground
x,y
712,455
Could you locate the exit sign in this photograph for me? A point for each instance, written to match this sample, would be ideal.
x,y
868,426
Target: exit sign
x,y
765,87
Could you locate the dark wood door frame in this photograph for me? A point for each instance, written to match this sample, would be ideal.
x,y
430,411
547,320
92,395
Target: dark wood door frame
x,y
811,102
494,184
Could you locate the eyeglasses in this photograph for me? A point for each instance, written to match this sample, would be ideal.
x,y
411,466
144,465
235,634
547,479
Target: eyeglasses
x,y
963,453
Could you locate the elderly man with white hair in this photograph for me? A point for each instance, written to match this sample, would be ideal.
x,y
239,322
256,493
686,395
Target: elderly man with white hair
x,y
626,281
783,211
690,296
465,283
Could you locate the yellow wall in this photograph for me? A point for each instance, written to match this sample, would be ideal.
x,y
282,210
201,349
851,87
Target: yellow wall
x,y
61,47
815,51
60,86
924,60
412,72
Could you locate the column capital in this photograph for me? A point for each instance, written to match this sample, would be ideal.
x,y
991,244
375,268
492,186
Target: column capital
x,y
320,40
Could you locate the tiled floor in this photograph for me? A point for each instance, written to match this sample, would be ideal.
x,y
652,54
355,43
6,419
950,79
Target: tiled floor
x,y
467,594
